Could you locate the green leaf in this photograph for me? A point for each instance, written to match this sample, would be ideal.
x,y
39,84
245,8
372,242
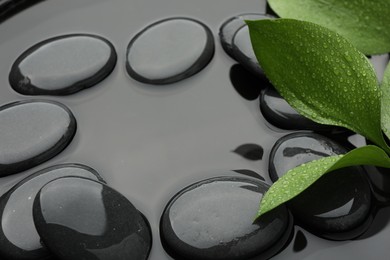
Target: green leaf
x,y
363,22
322,75
385,88
300,178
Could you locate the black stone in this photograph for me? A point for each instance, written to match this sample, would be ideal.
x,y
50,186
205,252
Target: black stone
x,y
32,132
235,40
213,219
63,65
170,50
380,183
81,219
279,113
231,26
337,206
19,239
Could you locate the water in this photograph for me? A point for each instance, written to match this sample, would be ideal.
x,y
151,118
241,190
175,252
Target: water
x,y
150,142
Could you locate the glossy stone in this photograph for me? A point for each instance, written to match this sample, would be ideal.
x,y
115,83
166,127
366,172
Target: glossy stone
x,y
235,40
32,132
231,26
19,239
213,219
338,205
63,65
169,50
380,183
279,113
81,219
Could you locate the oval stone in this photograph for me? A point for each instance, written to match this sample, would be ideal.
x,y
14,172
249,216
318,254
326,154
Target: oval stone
x,y
279,113
19,240
170,50
32,132
235,40
338,205
213,219
63,65
81,219
380,183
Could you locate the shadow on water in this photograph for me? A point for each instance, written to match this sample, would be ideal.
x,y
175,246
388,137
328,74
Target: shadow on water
x,y
245,83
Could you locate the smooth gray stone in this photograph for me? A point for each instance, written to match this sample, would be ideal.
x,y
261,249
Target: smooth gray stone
x,y
32,132
235,40
19,240
81,219
213,219
169,50
279,113
63,65
338,206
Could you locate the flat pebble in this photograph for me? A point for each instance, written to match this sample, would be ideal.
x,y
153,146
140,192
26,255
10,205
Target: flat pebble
x,y
338,206
213,219
380,183
279,113
235,40
170,50
63,65
81,219
32,132
19,239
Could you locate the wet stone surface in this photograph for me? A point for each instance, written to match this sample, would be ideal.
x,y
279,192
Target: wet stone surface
x,y
32,132
338,205
235,40
63,65
380,182
213,219
103,225
19,239
170,50
279,113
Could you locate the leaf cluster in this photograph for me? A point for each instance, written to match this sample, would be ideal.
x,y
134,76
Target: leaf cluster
x,y
315,58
